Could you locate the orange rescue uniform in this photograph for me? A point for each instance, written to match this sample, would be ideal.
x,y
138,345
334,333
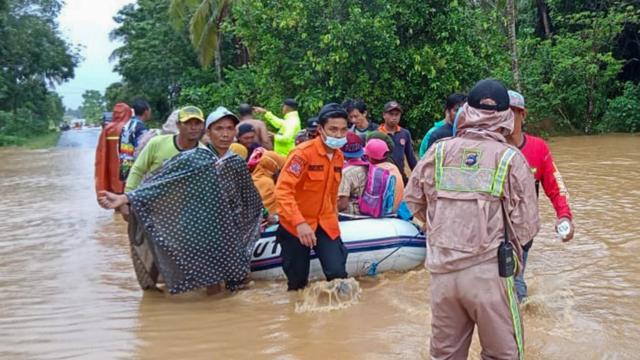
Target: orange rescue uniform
x,y
107,164
307,189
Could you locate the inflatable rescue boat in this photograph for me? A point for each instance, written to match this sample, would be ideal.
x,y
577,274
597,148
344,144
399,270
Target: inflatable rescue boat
x,y
375,246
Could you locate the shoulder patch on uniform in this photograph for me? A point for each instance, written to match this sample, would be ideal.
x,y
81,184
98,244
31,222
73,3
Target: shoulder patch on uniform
x,y
296,165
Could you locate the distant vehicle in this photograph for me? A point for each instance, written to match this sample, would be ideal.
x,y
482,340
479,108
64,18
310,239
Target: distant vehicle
x,y
77,123
64,126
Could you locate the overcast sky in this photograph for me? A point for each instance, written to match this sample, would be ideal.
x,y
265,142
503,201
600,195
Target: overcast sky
x,y
88,23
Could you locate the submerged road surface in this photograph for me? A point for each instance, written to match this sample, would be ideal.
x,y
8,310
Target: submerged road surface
x,y
68,288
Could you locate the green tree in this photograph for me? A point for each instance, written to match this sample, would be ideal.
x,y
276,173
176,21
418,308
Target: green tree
x,y
93,105
206,19
569,78
35,58
154,55
413,51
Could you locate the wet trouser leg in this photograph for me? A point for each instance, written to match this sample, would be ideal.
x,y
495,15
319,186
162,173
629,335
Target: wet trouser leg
x,y
521,285
295,259
476,295
332,254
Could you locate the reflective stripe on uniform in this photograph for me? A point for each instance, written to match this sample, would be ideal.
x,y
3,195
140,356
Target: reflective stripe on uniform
x,y
469,179
439,161
515,316
501,173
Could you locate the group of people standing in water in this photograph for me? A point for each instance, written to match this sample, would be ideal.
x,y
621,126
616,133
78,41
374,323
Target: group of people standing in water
x,y
473,189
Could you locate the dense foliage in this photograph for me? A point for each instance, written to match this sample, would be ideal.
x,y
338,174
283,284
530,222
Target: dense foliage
x,y
575,56
153,57
33,58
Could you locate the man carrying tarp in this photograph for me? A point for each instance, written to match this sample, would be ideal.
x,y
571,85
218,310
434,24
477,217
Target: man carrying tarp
x,y
199,213
476,195
288,127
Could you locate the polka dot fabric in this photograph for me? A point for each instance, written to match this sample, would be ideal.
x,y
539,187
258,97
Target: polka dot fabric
x,y
201,214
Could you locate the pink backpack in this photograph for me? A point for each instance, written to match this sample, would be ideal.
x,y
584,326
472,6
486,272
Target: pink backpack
x,y
378,195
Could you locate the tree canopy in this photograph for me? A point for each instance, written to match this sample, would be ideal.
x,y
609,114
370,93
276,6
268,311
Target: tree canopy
x,y
574,57
34,59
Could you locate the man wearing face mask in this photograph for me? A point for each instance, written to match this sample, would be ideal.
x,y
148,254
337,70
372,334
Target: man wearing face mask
x,y
306,196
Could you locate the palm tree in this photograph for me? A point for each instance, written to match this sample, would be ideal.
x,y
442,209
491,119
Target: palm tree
x,y
204,27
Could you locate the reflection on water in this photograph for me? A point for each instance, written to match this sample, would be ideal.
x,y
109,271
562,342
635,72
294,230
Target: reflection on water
x,y
68,289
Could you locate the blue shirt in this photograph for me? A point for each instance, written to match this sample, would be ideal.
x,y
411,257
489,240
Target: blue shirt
x,y
129,137
424,145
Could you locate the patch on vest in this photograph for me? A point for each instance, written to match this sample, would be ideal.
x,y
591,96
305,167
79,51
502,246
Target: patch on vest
x,y
470,158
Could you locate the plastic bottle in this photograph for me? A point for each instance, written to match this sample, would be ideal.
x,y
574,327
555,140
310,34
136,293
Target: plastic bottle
x,y
564,228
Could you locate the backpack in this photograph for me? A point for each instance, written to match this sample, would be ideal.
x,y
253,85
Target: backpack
x,y
379,193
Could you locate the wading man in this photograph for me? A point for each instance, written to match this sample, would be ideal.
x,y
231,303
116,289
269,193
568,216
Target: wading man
x,y
539,157
306,194
130,135
164,147
107,166
476,195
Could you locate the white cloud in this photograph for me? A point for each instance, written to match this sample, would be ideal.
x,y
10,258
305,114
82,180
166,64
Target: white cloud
x,y
88,23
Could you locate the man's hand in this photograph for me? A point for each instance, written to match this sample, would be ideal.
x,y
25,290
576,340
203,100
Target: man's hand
x,y
306,235
110,200
259,110
571,227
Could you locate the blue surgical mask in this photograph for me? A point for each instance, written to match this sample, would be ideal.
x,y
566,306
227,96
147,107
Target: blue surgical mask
x,y
334,143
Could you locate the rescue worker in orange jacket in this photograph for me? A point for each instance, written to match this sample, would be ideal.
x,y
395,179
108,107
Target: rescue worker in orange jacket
x,y
476,195
307,195
107,165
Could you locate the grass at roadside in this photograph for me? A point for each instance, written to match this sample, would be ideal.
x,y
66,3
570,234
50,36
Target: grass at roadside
x,y
43,141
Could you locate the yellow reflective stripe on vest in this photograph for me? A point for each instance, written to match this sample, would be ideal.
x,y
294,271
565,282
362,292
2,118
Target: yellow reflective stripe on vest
x,y
501,173
515,316
439,162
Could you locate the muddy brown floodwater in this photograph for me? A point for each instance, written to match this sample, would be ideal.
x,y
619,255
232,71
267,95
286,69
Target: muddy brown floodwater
x,y
67,287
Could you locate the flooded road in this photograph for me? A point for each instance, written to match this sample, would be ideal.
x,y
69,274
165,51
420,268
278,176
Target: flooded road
x,y
69,291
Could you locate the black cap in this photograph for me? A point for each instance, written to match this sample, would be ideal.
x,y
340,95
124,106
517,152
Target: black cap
x,y
331,110
489,94
292,103
392,105
245,109
245,128
312,123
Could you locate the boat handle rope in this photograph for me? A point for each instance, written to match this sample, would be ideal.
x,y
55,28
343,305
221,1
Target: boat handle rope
x,y
373,268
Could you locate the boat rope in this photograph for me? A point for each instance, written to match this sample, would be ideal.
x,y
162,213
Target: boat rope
x,y
373,268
